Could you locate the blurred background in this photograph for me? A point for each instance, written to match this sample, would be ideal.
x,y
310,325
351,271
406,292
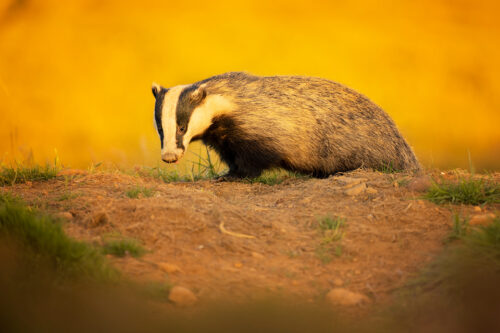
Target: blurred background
x,y
75,76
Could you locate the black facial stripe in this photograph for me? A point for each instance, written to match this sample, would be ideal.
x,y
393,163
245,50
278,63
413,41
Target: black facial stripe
x,y
158,112
185,108
179,138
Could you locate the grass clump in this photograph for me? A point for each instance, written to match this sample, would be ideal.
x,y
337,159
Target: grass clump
x,y
275,177
388,168
203,168
466,191
459,229
21,174
139,192
478,253
331,230
123,247
43,238
67,196
160,173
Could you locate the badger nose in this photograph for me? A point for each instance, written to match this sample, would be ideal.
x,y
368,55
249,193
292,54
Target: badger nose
x,y
169,157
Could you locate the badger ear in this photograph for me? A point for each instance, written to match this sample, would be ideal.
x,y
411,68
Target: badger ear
x,y
156,89
198,95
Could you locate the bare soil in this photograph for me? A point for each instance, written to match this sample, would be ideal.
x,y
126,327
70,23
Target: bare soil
x,y
389,235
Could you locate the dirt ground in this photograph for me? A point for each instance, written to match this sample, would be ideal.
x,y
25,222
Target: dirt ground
x,y
188,228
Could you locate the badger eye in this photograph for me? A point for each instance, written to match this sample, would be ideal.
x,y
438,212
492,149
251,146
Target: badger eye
x,y
182,129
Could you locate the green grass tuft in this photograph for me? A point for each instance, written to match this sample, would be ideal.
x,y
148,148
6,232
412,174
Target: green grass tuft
x,y
203,168
459,229
275,177
68,196
486,240
477,253
160,173
123,247
331,232
42,236
388,168
20,174
330,223
140,192
466,191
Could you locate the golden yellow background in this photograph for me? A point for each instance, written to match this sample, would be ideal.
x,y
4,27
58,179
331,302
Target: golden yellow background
x,y
75,75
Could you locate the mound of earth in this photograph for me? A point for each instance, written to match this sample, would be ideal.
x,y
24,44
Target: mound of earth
x,y
239,240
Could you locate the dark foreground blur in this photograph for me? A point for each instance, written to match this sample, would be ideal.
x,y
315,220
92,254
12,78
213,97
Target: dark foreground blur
x,y
459,293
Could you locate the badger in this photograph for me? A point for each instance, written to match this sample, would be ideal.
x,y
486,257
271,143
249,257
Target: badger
x,y
303,124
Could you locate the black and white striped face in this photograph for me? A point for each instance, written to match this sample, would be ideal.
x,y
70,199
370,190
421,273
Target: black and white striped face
x,y
182,113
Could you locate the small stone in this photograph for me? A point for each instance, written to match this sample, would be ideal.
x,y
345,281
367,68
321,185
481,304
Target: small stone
x,y
238,264
257,255
357,272
65,215
355,190
342,296
371,190
420,184
182,296
338,282
477,209
98,219
482,219
169,268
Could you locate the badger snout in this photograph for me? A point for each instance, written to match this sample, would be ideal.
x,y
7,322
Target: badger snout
x,y
170,157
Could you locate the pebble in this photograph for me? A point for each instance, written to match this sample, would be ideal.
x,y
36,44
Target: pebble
x,y
182,296
169,268
338,282
257,255
355,190
345,297
65,215
98,219
371,190
482,219
477,209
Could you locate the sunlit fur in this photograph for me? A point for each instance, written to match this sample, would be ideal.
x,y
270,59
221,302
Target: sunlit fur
x,y
303,124
202,116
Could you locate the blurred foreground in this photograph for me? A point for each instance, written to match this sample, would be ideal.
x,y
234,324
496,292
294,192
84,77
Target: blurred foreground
x,y
421,267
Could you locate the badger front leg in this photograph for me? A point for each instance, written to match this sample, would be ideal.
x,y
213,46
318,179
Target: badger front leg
x,y
239,167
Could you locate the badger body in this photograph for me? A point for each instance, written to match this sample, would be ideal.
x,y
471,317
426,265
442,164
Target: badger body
x,y
304,124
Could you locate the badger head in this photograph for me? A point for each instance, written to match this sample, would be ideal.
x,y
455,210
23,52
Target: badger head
x,y
184,113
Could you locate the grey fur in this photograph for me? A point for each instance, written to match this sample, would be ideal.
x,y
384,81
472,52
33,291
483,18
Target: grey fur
x,y
304,124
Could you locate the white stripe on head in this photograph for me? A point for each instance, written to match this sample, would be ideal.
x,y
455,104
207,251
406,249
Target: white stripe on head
x,y
203,115
169,121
